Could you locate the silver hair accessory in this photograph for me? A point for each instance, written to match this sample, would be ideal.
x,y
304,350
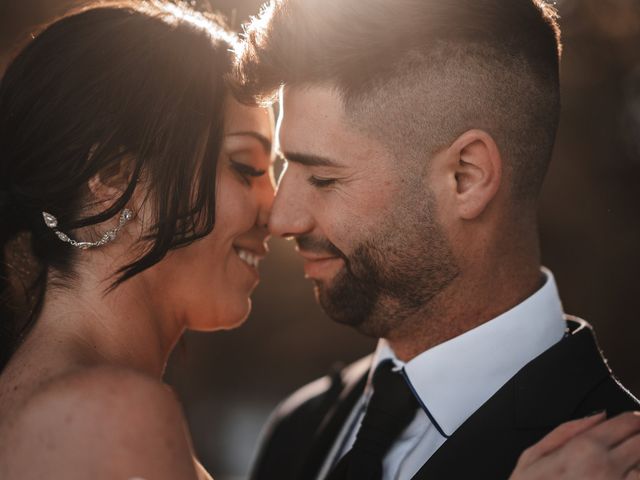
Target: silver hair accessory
x,y
108,236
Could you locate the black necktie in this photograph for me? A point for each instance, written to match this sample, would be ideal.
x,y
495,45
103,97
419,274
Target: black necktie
x,y
390,410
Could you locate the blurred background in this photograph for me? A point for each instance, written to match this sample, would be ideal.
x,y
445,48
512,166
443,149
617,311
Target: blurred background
x,y
229,382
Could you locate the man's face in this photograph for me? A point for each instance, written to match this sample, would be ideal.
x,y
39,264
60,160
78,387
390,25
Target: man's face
x,y
363,218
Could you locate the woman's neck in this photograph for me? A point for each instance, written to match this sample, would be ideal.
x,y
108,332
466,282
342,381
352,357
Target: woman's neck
x,y
127,326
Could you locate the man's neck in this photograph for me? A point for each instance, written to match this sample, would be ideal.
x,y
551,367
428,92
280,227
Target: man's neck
x,y
465,304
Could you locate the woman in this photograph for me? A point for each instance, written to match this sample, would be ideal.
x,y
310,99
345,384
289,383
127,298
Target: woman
x,y
120,150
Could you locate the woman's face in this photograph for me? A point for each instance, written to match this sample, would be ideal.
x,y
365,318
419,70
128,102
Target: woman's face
x,y
207,285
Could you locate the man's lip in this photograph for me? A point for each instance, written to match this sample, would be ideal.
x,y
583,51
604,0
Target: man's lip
x,y
322,267
316,257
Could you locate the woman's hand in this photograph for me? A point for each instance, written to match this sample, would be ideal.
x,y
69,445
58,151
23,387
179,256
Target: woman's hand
x,y
591,448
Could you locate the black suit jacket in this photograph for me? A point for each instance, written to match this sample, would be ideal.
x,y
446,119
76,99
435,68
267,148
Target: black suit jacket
x,y
568,381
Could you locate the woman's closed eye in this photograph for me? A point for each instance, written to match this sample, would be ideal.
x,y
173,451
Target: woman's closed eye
x,y
247,172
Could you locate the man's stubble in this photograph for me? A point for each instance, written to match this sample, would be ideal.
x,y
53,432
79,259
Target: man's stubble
x,y
394,274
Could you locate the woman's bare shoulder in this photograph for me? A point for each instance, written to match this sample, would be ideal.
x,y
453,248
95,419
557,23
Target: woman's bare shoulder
x,y
99,422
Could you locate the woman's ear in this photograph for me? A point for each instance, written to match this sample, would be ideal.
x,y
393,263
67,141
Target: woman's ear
x,y
111,182
101,191
477,167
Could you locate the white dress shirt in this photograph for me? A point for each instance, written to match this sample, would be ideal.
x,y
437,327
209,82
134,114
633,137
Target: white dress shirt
x,y
453,379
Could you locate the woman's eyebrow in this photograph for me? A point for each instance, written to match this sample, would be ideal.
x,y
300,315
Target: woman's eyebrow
x,y
264,141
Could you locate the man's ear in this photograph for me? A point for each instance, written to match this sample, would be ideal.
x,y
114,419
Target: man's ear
x,y
477,166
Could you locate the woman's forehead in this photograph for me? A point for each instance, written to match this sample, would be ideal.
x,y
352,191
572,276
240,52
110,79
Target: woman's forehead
x,y
243,118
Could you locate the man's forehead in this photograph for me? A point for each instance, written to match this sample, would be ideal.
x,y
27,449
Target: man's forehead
x,y
318,105
313,120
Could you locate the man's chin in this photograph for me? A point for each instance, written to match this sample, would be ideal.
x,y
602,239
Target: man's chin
x,y
355,311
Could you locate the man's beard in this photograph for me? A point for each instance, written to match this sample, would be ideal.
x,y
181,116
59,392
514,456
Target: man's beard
x,y
389,277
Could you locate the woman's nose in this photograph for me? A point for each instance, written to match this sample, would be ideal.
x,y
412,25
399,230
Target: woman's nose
x,y
266,199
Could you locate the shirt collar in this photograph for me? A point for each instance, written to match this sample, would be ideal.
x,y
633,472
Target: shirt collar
x,y
452,380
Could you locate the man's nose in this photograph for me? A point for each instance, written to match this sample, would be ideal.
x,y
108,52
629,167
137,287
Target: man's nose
x,y
290,215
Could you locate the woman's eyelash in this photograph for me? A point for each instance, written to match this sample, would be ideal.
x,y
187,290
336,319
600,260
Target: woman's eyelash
x,y
321,182
246,170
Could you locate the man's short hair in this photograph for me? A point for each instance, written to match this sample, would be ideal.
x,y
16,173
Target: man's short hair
x,y
419,73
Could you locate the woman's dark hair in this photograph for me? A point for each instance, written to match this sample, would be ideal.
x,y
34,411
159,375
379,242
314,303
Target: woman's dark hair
x,y
135,83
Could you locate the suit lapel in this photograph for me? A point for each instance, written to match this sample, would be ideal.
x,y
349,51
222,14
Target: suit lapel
x,y
545,393
354,382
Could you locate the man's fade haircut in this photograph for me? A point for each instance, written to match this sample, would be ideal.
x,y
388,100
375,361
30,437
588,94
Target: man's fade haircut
x,y
424,70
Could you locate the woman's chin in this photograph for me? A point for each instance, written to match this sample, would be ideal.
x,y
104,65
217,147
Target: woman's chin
x,y
233,316
235,322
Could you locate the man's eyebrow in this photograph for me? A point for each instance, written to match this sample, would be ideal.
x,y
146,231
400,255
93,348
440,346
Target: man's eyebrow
x,y
264,141
310,160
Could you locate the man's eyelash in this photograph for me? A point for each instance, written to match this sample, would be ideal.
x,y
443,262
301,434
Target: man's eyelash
x,y
321,182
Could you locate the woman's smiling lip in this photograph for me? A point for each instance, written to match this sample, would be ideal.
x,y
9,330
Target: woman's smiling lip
x,y
250,256
250,266
258,249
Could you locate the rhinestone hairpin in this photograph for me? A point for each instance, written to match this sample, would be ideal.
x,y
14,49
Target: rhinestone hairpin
x,y
107,237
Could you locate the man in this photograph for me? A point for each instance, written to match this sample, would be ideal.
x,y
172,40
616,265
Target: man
x,y
417,135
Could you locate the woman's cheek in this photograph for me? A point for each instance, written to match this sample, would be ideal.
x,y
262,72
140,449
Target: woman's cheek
x,y
237,210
